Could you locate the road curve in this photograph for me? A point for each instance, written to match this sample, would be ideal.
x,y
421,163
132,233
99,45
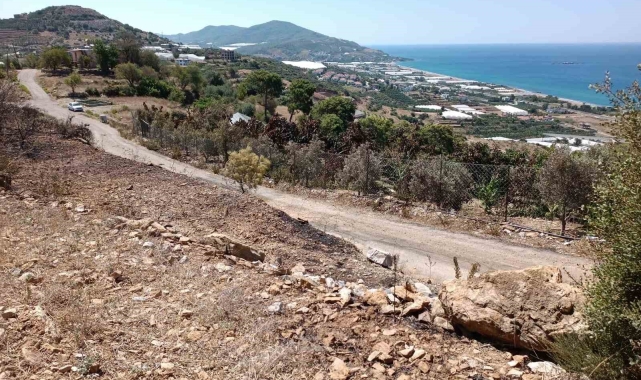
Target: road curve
x,y
415,244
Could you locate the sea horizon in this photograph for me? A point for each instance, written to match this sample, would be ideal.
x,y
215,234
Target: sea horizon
x,y
565,70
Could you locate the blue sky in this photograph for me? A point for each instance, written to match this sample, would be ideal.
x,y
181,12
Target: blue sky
x,y
378,22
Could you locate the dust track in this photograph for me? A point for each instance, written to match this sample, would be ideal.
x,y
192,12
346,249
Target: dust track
x,y
413,243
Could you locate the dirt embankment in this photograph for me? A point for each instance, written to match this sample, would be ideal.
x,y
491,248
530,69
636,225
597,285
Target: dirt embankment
x,y
86,293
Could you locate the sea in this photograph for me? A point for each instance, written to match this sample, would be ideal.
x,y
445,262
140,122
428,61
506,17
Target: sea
x,y
563,70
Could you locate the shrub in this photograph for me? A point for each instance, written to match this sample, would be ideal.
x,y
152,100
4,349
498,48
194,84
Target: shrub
x,y
246,168
7,171
305,161
177,96
361,170
447,184
92,91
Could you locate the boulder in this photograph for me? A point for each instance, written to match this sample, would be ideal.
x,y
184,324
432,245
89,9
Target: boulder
x,y
244,252
381,258
525,308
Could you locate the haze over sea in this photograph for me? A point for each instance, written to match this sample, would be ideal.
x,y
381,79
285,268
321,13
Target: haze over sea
x,y
533,67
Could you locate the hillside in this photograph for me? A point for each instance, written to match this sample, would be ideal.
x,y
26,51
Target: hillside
x,y
282,40
68,25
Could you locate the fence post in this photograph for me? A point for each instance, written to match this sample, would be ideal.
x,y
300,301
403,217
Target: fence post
x,y
440,183
366,191
507,191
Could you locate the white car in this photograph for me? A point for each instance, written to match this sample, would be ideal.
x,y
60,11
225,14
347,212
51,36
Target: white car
x,y
75,107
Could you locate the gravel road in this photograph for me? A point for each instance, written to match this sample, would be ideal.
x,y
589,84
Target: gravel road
x,y
415,244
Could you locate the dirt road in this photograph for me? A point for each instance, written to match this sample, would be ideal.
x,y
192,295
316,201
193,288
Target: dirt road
x,y
415,244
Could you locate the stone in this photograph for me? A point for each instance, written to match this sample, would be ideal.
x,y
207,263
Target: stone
x,y
375,297
382,348
31,356
273,289
415,307
186,313
381,258
64,368
346,296
424,367
436,308
418,354
245,252
545,368
222,267
407,353
29,278
298,269
276,308
385,358
9,313
425,317
389,309
422,289
443,323
514,374
534,299
378,367
373,356
167,365
338,370
194,336
302,310
148,244
389,332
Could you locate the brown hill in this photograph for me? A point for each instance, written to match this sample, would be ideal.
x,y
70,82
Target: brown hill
x,y
69,25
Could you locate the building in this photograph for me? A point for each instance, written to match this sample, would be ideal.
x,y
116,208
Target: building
x,y
228,55
76,54
235,118
456,115
511,110
187,59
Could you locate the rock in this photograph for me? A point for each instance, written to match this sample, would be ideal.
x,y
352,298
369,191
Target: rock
x,y
422,289
31,356
375,297
526,308
338,370
381,258
329,282
64,369
390,332
276,308
148,244
424,367
415,307
298,269
245,252
346,296
443,323
15,272
389,309
545,368
436,308
273,289
9,313
425,317
94,368
514,374
222,267
29,278
167,365
418,354
186,313
406,353
385,358
373,356
302,310
382,348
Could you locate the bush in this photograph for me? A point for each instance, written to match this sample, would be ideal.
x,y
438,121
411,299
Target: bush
x,y
447,184
154,87
176,96
361,170
246,168
92,91
7,171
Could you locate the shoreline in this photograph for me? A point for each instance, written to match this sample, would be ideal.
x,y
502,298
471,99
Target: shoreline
x,y
522,91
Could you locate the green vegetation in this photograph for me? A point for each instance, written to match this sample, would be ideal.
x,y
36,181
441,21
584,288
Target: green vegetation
x,y
55,58
106,55
247,168
514,128
73,81
612,350
299,97
266,84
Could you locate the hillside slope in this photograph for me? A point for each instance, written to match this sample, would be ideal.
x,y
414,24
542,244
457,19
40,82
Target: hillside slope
x,y
282,40
67,25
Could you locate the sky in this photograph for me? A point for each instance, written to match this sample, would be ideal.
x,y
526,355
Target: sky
x,y
378,22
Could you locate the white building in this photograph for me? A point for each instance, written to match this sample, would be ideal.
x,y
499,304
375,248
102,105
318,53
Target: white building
x,y
456,115
511,110
429,107
186,59
467,109
306,64
165,56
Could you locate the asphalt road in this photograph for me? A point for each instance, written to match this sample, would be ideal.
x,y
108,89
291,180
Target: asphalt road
x,y
415,244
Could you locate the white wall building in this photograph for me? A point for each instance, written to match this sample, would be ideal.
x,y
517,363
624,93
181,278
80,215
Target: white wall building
x,y
456,115
511,110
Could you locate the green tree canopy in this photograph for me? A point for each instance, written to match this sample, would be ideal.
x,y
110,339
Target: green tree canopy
x,y
149,58
247,168
300,96
342,107
331,126
73,81
54,58
265,83
106,55
129,72
377,129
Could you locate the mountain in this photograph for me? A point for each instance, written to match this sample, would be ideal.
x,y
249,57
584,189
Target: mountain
x,y
281,40
67,25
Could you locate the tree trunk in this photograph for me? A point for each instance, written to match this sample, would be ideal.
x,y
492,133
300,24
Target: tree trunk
x,y
291,115
563,220
265,105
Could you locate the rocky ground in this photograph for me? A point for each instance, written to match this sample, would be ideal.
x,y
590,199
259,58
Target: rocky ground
x,y
114,269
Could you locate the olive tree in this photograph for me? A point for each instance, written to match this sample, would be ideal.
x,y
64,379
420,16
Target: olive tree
x,y
361,170
305,160
73,81
448,184
565,182
129,72
246,168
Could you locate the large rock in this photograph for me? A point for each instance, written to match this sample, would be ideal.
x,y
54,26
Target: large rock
x,y
245,252
381,258
524,308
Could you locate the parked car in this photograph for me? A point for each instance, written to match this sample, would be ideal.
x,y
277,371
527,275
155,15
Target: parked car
x,y
75,107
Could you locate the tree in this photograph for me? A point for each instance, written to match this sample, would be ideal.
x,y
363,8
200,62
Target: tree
x,y
300,96
306,161
149,58
182,77
73,81
331,126
361,170
612,350
447,184
337,105
148,72
31,61
129,72
85,62
54,58
195,76
106,55
376,129
265,83
247,168
565,182
129,47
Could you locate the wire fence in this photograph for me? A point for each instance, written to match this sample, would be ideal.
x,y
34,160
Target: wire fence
x,y
494,193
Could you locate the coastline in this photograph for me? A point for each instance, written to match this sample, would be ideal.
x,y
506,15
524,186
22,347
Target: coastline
x,y
521,91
